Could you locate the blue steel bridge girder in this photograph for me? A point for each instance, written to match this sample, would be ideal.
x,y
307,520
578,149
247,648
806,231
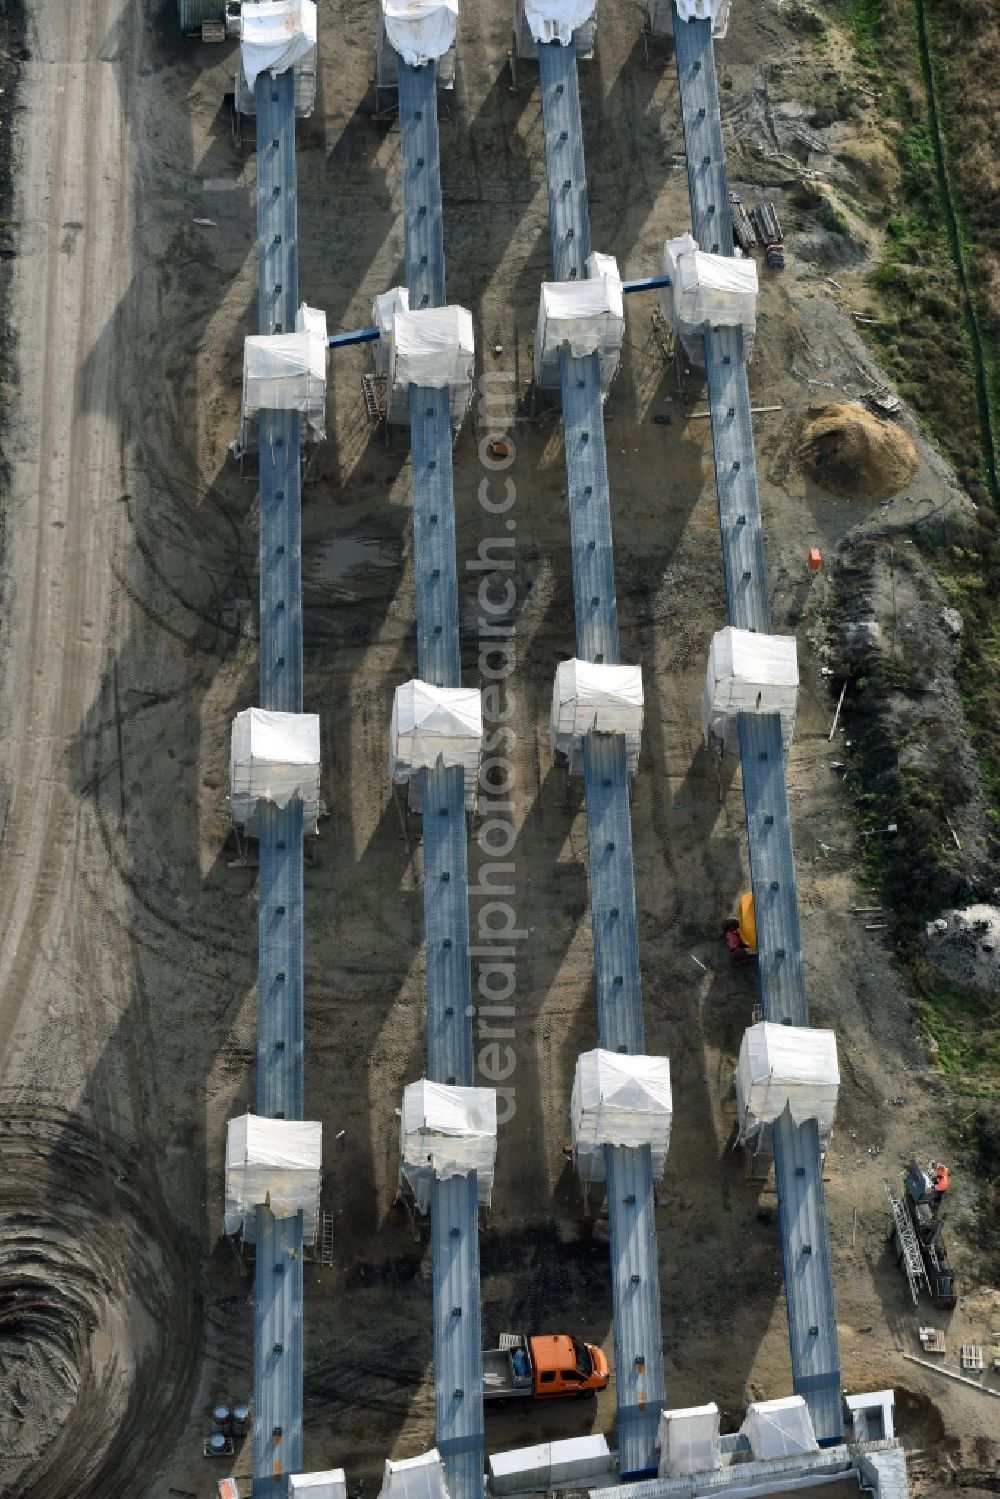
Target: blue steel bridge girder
x,y
565,171
278,1354
423,221
812,1329
277,212
595,606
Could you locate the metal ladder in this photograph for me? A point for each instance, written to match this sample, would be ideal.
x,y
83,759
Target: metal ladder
x,y
373,388
326,1240
907,1247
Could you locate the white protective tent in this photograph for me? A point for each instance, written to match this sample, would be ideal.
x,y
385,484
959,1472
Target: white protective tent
x,y
414,1478
712,290
587,698
420,30
274,1161
287,371
429,723
748,673
619,1100
275,35
789,1065
447,1131
702,10
432,348
584,317
331,1484
557,20
384,309
779,1428
689,1441
584,32
274,757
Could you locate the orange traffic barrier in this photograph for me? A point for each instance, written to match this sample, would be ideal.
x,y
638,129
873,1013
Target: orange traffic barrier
x,y
815,558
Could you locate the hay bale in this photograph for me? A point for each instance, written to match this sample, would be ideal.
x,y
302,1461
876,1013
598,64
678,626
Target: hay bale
x,y
848,450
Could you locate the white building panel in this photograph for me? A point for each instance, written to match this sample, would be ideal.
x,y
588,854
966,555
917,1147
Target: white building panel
x,y
749,673
589,698
447,1131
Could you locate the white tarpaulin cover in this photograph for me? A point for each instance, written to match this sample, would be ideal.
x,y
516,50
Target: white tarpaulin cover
x,y
527,45
748,673
428,722
287,371
786,1064
329,1485
275,35
274,757
718,290
415,1478
689,1441
277,1161
585,317
432,348
619,1100
557,20
702,10
578,1461
420,30
384,309
446,1131
590,698
779,1428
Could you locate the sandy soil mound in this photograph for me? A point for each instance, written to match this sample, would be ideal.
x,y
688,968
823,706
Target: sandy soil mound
x,y
849,451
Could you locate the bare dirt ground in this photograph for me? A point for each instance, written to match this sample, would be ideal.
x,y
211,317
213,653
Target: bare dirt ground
x,y
127,999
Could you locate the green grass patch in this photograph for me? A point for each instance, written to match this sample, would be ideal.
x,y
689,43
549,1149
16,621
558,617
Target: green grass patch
x,y
964,1023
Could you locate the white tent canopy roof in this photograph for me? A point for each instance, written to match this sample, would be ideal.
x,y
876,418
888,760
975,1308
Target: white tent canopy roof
x,y
331,1484
277,1161
434,349
415,1478
274,757
779,1428
420,30
689,1441
720,290
275,35
447,1131
287,371
587,698
586,317
429,723
703,10
749,673
557,20
620,1100
789,1065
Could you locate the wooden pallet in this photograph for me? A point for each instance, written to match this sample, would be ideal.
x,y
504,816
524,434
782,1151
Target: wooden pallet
x,y
972,1359
932,1340
213,31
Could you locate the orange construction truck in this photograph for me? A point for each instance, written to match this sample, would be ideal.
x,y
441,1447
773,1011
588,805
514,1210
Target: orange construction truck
x,y
545,1368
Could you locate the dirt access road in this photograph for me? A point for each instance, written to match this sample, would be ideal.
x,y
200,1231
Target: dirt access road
x,y
99,1319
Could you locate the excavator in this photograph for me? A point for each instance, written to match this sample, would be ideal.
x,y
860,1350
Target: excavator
x,y
740,931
